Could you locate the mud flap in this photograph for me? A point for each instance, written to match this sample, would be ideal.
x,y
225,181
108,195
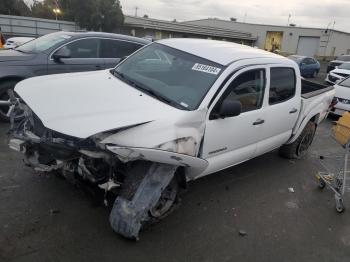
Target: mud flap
x,y
127,216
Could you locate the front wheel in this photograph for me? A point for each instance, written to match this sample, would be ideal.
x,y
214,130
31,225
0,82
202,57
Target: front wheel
x,y
300,146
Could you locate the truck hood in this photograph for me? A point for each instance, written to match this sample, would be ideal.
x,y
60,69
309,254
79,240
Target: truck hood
x,y
11,55
84,104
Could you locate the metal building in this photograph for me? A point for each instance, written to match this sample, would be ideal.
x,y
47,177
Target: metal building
x,y
319,42
158,29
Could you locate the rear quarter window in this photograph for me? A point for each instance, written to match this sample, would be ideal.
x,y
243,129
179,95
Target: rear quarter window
x,y
282,85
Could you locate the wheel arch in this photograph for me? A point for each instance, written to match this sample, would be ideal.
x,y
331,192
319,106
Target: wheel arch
x,y
312,118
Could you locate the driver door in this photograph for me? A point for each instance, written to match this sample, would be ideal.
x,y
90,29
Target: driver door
x,y
229,141
81,55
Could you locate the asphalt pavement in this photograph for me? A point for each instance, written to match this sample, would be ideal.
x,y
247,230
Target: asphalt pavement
x,y
245,213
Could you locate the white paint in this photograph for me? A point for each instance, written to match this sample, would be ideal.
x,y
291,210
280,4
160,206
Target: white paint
x,y
14,42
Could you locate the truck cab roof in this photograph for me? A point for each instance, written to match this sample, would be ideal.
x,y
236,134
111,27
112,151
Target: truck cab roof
x,y
221,52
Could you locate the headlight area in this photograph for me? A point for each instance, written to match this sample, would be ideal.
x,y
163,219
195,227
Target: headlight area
x,y
184,145
80,161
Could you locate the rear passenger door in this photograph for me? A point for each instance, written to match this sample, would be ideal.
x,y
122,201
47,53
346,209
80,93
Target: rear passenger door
x,y
83,55
282,108
113,50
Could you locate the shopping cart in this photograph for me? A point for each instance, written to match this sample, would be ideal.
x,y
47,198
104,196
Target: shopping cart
x,y
336,171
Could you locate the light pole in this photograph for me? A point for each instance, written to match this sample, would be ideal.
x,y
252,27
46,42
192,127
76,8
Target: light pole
x,y
57,12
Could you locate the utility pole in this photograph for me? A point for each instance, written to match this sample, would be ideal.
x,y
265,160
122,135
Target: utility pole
x,y
136,8
289,16
245,17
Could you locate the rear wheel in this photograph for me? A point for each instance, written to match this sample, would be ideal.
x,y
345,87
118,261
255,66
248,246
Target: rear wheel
x,y
5,101
300,146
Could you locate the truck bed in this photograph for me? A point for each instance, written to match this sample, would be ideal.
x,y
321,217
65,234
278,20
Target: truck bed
x,y
310,89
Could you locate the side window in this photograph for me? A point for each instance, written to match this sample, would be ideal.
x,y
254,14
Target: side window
x,y
282,85
84,48
117,49
248,88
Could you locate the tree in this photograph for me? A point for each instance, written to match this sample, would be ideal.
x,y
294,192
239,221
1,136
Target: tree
x,y
97,15
43,9
14,7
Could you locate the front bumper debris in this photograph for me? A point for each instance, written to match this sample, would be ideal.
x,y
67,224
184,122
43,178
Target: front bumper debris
x,y
126,217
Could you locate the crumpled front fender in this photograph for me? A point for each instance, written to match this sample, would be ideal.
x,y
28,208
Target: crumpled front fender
x,y
126,154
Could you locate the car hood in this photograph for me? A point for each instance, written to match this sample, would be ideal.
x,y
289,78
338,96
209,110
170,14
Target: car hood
x,y
341,71
342,92
84,104
11,55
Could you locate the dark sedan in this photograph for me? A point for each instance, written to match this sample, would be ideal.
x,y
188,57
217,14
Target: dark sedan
x,y
61,52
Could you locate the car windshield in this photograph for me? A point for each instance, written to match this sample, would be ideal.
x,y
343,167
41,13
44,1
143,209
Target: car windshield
x,y
43,43
344,58
173,76
344,66
345,82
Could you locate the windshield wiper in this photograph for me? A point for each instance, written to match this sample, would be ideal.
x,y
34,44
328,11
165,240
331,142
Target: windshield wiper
x,y
149,91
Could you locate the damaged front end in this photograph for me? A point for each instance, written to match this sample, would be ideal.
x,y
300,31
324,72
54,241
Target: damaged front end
x,y
137,183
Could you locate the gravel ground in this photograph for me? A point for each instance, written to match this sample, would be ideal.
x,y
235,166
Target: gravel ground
x,y
245,213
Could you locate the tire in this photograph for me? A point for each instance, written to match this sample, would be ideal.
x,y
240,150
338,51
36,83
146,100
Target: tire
x,y
299,147
131,183
4,87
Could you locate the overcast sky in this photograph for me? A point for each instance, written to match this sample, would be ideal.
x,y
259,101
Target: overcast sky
x,y
312,13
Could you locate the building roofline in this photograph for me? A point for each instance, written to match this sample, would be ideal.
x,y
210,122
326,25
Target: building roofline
x,y
186,28
283,26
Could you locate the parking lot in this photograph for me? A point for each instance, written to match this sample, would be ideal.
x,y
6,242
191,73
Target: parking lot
x,y
245,213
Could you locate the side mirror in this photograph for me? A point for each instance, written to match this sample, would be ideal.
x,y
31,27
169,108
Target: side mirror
x,y
229,108
61,54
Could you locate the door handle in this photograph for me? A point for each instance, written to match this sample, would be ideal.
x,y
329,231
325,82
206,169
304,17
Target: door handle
x,y
258,122
294,110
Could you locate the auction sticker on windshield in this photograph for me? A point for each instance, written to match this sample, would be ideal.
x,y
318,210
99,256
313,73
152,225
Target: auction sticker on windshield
x,y
206,69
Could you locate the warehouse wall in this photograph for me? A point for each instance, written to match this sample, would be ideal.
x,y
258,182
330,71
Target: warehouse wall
x,y
290,39
339,42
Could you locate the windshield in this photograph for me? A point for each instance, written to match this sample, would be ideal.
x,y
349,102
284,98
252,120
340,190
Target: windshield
x,y
43,43
344,58
171,75
344,66
345,82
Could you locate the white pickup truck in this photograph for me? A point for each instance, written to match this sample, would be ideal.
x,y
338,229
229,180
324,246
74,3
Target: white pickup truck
x,y
174,111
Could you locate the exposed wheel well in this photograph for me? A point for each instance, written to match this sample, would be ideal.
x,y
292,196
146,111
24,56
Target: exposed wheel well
x,y
315,118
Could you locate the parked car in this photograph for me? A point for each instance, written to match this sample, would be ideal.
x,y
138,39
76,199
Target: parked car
x,y
14,42
174,111
338,74
337,62
309,66
342,96
61,52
